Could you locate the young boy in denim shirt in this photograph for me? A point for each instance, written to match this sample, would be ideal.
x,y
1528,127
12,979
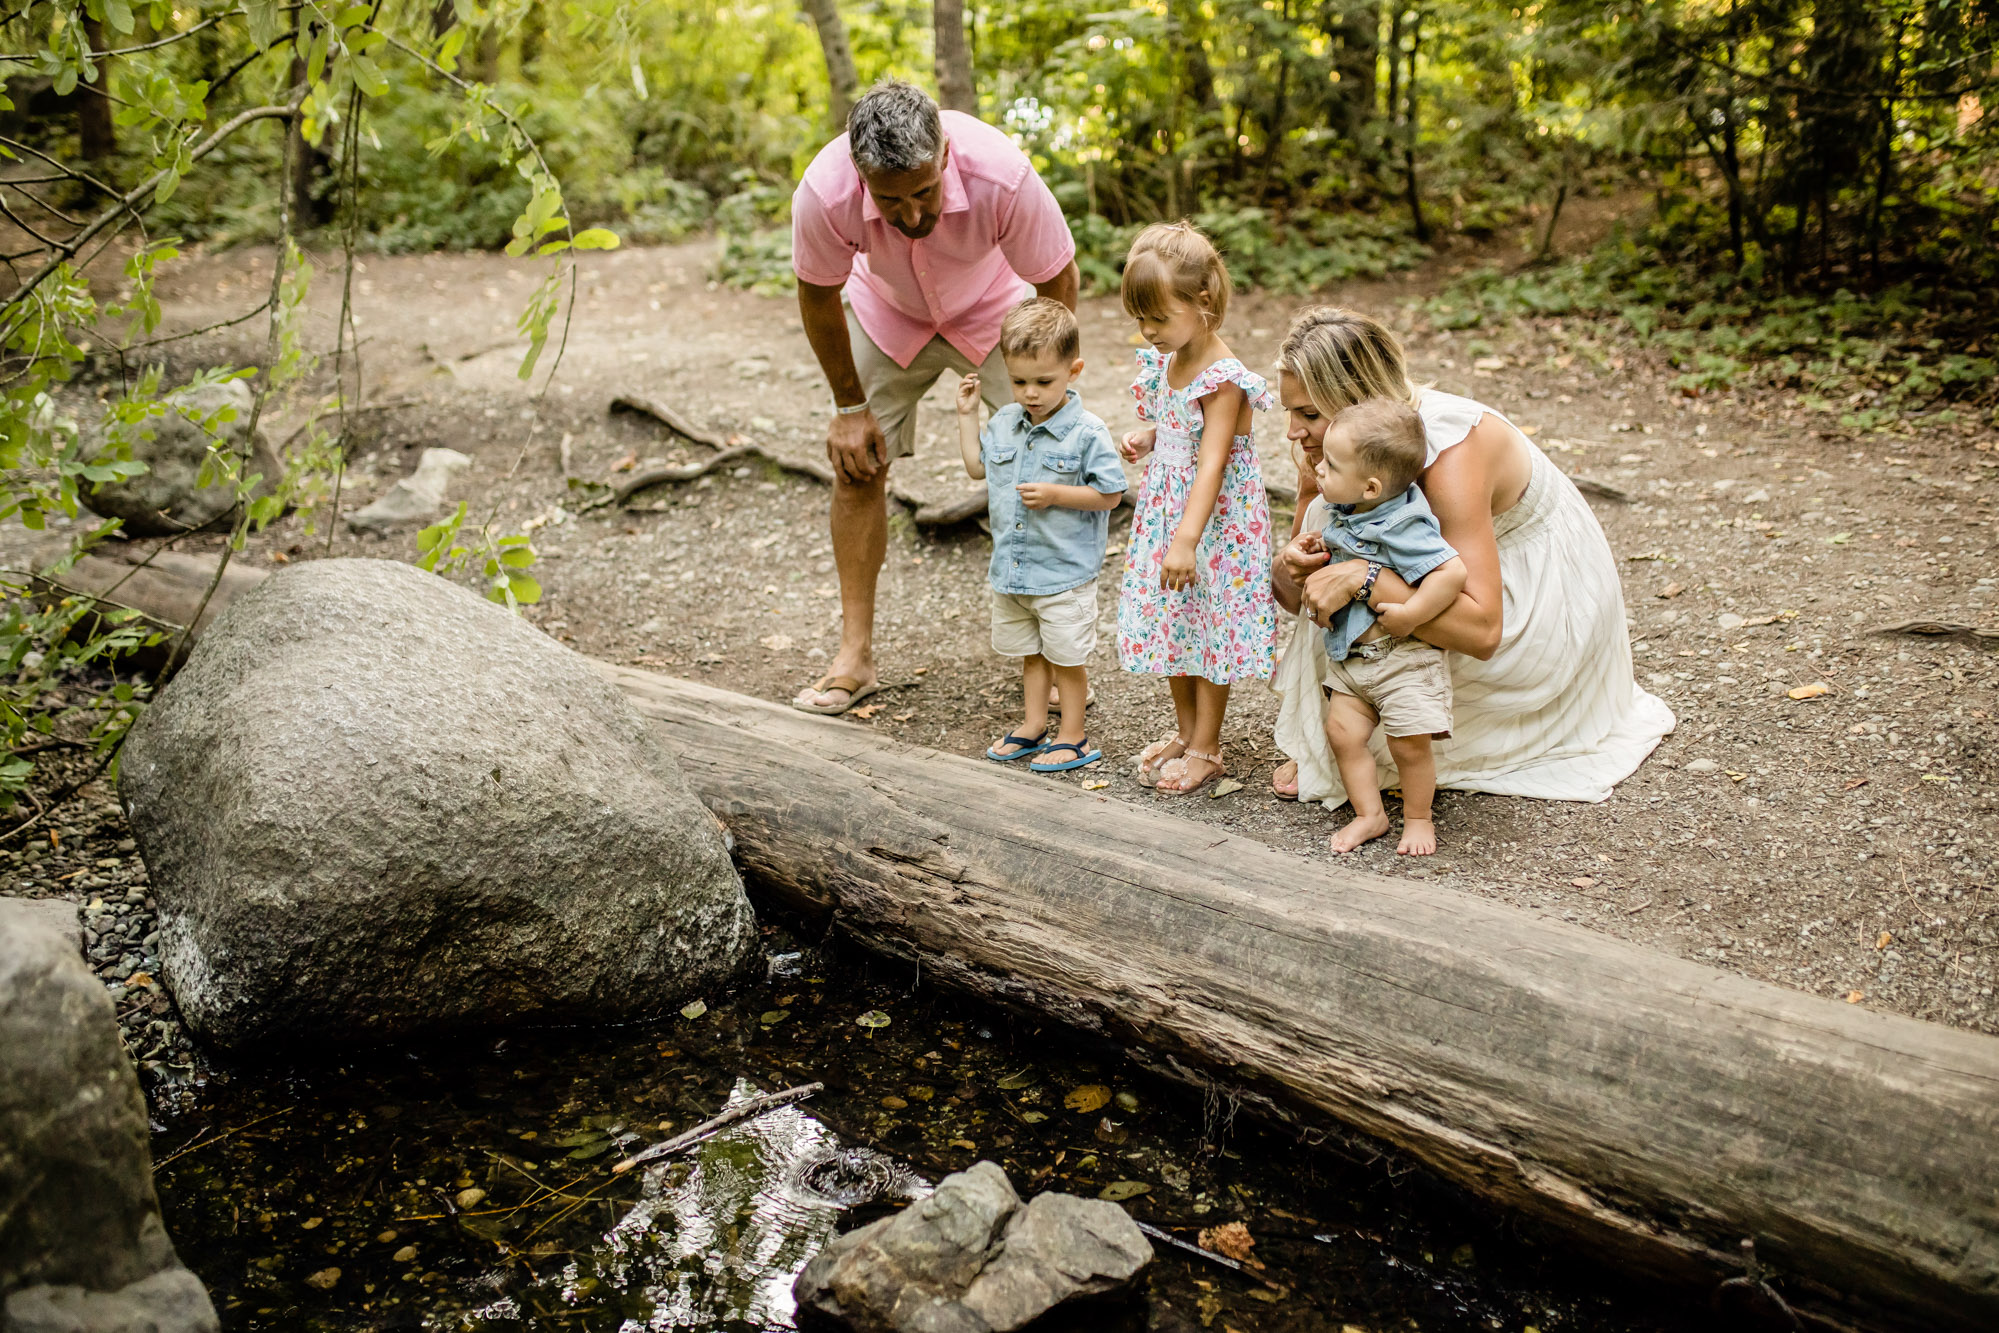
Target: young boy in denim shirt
x,y
1052,477
1374,452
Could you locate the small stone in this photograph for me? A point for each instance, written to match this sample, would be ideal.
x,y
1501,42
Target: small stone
x,y
386,1237
405,1255
1703,766
1728,620
310,1223
471,1198
324,1279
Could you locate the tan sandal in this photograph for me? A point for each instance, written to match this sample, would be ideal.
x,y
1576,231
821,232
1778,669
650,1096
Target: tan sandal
x,y
1216,774
1154,757
856,691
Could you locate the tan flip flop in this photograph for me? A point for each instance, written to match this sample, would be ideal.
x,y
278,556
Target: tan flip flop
x,y
856,692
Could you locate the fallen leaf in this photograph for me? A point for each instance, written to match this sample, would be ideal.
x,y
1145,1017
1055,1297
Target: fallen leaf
x,y
904,717
1489,363
1226,787
1095,786
1857,782
919,1093
1021,1079
894,1103
1885,940
1672,590
280,558
1811,691
310,1223
770,1016
694,1010
866,712
1583,882
777,643
1734,776
324,1279
873,1018
1089,1097
966,1144
1855,997
138,979
1120,1190
625,464
1033,1117
1935,777
1231,1239
1840,539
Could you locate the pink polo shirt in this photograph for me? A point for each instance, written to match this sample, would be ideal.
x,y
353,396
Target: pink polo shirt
x,y
1001,231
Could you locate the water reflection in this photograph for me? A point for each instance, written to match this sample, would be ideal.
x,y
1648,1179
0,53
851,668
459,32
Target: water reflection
x,y
717,1236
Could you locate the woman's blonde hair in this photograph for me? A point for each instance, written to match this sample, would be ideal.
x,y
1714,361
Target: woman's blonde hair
x,y
1343,358
1174,260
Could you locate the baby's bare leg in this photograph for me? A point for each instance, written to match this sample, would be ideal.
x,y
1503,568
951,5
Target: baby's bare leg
x,y
1349,724
1418,765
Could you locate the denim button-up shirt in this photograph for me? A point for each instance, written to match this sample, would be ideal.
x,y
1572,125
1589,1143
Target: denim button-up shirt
x,y
1042,551
1400,534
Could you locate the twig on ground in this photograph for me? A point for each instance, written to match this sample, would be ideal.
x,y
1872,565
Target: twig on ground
x,y
660,476
667,416
1601,489
1943,629
746,1110
1202,1252
217,1138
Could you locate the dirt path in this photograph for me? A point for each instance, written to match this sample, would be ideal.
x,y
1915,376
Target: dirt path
x,y
1842,844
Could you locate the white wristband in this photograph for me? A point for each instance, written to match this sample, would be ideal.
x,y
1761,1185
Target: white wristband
x,y
855,410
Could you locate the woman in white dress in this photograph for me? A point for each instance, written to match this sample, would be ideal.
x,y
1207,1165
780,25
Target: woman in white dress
x,y
1546,704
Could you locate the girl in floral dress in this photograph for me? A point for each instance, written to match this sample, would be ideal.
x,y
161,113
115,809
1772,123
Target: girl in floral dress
x,y
1195,603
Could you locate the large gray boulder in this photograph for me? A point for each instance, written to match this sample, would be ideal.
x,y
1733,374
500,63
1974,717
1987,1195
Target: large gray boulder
x,y
972,1259
167,498
82,1248
375,804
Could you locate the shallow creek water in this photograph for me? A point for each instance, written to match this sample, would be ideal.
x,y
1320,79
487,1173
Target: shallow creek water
x,y
468,1187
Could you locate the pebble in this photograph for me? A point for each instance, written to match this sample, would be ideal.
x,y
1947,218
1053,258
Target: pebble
x,y
1703,766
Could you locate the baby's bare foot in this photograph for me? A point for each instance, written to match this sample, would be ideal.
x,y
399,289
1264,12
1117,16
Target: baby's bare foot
x,y
1419,838
1365,828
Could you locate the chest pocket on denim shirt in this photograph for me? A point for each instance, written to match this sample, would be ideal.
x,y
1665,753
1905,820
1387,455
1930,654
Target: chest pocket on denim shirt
x,y
1002,459
1062,468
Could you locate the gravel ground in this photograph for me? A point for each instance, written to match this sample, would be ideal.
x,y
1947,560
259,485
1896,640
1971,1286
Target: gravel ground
x,y
1840,843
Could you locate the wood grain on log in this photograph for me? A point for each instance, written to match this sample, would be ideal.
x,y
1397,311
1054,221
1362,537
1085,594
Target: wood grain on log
x,y
1657,1110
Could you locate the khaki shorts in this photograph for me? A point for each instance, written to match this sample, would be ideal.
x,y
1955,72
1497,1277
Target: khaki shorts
x,y
1408,687
894,391
1061,626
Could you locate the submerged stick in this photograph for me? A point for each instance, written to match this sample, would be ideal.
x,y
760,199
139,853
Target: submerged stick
x,y
1203,1252
755,1106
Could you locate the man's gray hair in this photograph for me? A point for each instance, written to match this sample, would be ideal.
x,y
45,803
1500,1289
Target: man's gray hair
x,y
894,128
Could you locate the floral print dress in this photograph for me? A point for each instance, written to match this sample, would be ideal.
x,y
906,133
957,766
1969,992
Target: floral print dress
x,y
1224,628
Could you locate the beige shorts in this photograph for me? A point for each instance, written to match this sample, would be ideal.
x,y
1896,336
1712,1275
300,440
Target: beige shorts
x,y
894,391
1061,626
1408,687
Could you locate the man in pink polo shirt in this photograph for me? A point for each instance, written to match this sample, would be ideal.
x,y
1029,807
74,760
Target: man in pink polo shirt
x,y
933,225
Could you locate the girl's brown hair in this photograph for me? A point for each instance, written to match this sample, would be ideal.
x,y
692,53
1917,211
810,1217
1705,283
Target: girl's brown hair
x,y
1343,358
1173,260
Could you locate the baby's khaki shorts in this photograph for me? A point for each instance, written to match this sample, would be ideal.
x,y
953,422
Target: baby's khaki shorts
x,y
1061,626
1405,682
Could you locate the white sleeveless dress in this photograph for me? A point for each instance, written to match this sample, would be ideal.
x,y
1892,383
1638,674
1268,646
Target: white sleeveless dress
x,y
1556,713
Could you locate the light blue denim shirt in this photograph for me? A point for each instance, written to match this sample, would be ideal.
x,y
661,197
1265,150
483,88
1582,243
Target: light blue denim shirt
x,y
1042,551
1400,534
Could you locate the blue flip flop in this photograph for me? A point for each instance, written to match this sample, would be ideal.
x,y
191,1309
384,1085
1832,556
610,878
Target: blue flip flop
x,y
1028,745
1084,755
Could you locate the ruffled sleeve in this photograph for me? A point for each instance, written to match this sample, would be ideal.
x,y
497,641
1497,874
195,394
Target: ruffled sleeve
x,y
1150,378
1447,419
1228,370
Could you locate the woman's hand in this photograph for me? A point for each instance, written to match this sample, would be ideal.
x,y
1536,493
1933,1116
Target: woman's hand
x,y
1332,588
1177,570
1137,444
1305,555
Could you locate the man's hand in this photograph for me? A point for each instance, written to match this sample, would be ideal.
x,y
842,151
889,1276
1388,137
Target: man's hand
x,y
1039,494
1178,569
1137,444
1396,618
855,446
1305,554
968,394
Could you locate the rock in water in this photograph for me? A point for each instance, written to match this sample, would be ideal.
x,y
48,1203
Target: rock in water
x,y
972,1259
82,1248
165,499
374,804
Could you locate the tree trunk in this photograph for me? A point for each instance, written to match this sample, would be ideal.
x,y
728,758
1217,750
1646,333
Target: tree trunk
x,y
843,83
1411,123
1656,1110
96,134
955,89
309,164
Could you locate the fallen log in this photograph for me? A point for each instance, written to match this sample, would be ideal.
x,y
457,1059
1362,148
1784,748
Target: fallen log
x,y
1657,1111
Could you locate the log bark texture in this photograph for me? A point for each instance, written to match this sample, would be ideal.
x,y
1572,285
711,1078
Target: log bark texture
x,y
1656,1110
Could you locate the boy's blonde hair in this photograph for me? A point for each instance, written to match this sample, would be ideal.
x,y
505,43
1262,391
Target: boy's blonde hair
x,y
1388,441
1039,324
1174,260
1343,358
